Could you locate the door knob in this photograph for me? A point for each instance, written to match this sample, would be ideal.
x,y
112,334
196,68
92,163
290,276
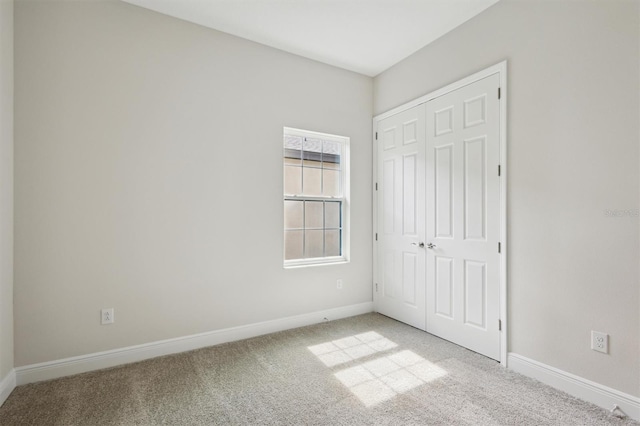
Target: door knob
x,y
421,245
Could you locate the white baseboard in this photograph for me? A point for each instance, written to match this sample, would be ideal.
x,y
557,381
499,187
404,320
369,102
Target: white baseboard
x,y
579,387
7,385
99,360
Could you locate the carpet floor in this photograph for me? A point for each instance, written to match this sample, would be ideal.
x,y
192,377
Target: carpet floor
x,y
365,370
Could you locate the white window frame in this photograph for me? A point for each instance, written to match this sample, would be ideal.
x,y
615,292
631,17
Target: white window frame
x,y
345,200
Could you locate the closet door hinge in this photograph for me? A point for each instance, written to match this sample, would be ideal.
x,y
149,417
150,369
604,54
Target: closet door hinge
x,y
376,135
376,287
499,247
499,325
499,94
376,236
499,170
376,186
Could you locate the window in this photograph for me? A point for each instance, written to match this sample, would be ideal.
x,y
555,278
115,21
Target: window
x,y
316,188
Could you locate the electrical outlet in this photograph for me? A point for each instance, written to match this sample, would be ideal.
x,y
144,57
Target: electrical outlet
x,y
339,284
106,316
600,342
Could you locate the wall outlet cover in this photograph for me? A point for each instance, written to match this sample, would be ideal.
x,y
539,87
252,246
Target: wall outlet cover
x,y
106,316
600,342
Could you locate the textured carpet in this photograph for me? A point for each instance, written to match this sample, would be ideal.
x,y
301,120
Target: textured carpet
x,y
362,370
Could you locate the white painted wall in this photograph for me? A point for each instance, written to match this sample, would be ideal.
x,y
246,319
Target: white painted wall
x,y
148,178
6,187
573,153
134,131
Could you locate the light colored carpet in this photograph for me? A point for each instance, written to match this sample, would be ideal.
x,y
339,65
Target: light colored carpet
x,y
362,370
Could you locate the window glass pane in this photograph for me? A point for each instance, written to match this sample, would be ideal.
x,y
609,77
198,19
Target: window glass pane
x,y
313,217
331,183
313,243
293,157
312,181
293,244
331,152
332,214
312,152
332,243
293,214
292,180
292,149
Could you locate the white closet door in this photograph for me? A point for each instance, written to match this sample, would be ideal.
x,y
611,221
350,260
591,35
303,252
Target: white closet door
x,y
463,216
400,291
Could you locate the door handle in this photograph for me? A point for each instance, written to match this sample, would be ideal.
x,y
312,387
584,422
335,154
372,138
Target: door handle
x,y
421,245
430,246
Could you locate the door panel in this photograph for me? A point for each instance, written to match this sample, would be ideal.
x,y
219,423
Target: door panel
x,y
475,293
474,188
444,191
444,286
409,194
409,273
401,212
463,216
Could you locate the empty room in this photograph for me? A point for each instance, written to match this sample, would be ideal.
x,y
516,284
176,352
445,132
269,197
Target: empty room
x,y
320,212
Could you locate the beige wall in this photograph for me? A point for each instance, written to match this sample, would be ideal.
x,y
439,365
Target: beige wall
x,y
573,153
125,120
126,197
6,187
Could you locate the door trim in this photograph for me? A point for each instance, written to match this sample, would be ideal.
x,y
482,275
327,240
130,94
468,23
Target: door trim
x,y
500,69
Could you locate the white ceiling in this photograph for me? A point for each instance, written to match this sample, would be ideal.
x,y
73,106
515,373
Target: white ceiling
x,y
365,36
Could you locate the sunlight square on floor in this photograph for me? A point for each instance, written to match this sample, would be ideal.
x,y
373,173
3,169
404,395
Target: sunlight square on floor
x,y
379,379
383,378
350,348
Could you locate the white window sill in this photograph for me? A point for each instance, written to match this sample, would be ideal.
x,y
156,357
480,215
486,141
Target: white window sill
x,y
305,263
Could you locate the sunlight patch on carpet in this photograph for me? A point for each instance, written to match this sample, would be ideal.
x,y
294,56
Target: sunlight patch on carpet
x,y
350,348
383,378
